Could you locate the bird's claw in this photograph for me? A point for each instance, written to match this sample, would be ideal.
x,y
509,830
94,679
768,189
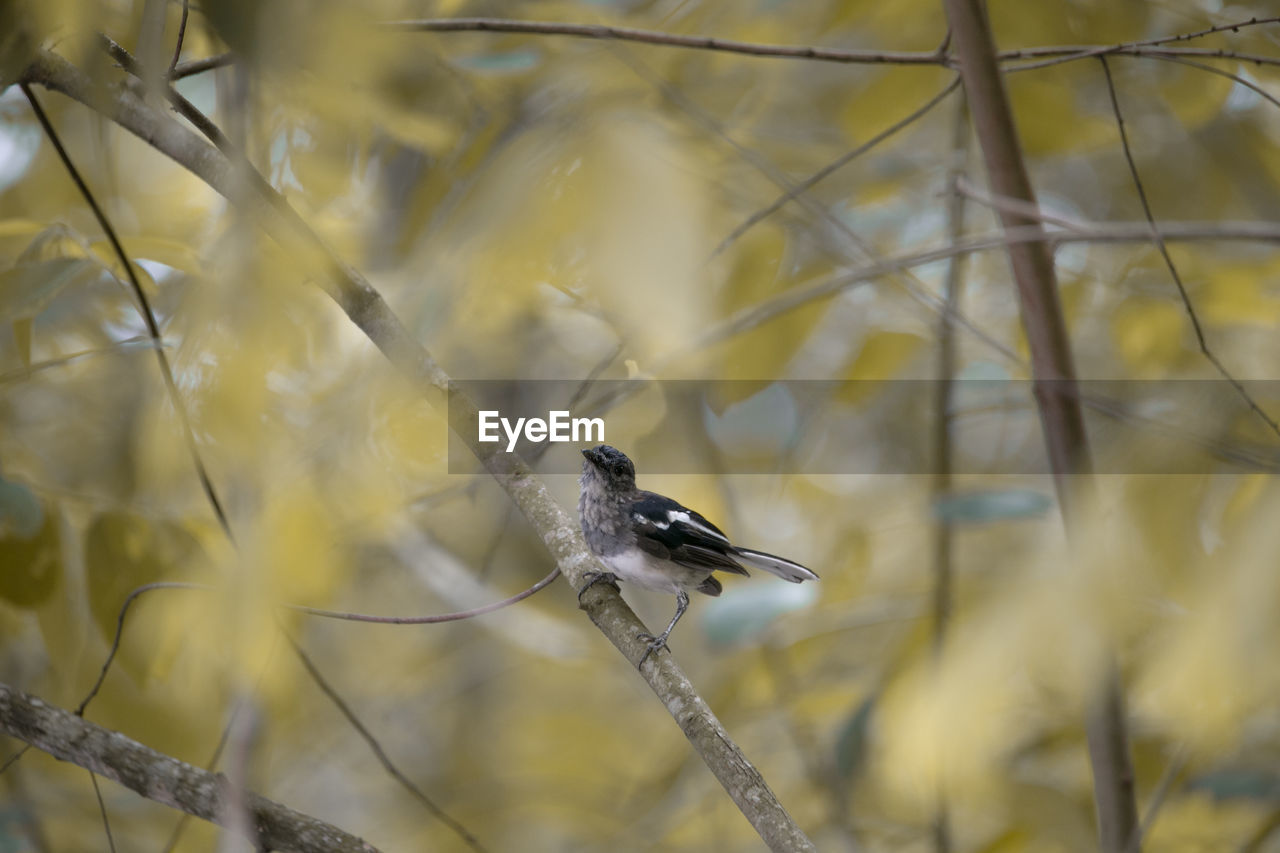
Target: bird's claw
x,y
656,644
594,578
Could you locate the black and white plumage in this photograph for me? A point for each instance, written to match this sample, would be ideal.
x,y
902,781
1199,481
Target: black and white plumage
x,y
654,542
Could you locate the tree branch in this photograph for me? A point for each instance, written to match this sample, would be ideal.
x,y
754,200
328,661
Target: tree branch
x,y
1053,377
611,33
163,779
367,309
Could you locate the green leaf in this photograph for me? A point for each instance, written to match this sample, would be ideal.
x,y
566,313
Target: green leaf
x,y
508,62
32,562
851,742
1239,783
746,611
26,289
1006,505
20,512
764,423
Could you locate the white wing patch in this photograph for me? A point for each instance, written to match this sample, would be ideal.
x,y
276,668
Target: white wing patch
x,y
644,519
680,516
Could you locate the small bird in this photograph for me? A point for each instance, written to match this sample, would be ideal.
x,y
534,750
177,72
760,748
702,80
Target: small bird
x,y
654,542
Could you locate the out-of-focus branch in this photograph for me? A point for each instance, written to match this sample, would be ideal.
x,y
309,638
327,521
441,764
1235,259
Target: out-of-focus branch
x,y
1053,376
161,778
367,309
832,167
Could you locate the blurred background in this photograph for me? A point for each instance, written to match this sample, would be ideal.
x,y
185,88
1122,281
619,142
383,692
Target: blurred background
x,y
540,207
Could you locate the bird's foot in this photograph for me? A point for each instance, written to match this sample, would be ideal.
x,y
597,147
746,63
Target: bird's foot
x,y
594,578
656,644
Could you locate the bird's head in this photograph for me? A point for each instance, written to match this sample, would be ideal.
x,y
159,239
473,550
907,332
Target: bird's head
x,y
611,466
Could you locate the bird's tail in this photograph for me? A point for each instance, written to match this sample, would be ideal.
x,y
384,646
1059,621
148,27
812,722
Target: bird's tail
x,y
783,568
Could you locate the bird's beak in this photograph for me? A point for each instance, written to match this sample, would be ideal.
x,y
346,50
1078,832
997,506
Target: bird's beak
x,y
592,455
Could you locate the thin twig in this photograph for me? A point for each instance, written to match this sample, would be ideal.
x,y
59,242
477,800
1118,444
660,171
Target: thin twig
x,y
199,66
311,611
381,754
182,32
632,34
1056,53
1074,53
1176,763
102,810
1012,205
1221,72
115,641
13,759
1071,54
63,360
428,620
834,166
1201,341
144,308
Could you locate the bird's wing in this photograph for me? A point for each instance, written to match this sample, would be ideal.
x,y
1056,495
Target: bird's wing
x,y
670,531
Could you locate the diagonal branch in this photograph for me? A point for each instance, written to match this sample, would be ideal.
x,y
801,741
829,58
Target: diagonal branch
x,y
370,312
165,780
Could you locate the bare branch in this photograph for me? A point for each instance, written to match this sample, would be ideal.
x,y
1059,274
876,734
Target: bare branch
x,y
1168,260
158,777
102,810
1056,53
611,33
198,66
1073,53
1241,80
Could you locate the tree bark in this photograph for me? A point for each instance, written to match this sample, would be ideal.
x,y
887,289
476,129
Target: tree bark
x,y
166,780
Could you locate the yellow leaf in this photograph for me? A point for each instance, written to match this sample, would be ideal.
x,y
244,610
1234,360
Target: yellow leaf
x,y
1148,333
124,551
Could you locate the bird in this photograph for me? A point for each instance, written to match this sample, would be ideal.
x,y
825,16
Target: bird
x,y
654,542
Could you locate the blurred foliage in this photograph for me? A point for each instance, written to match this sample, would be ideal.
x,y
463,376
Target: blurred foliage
x,y
544,207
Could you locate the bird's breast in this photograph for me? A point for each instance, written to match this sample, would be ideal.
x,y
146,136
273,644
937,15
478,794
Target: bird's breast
x,y
634,566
